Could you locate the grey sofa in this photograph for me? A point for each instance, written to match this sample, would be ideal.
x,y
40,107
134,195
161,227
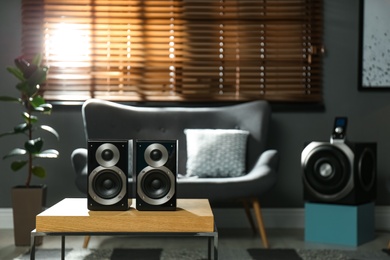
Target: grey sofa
x,y
109,120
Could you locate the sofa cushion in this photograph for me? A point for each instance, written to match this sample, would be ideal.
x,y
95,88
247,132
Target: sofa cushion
x,y
216,152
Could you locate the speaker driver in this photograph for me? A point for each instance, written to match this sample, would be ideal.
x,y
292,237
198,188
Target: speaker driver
x,y
327,172
156,186
106,185
107,155
156,155
339,172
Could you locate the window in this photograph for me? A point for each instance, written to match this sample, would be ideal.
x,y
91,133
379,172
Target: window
x,y
177,50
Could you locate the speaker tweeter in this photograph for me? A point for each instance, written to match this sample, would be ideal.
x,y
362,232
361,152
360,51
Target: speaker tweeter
x,y
156,173
108,162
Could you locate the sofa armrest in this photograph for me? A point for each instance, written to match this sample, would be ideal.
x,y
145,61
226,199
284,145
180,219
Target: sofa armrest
x,y
268,158
79,158
265,169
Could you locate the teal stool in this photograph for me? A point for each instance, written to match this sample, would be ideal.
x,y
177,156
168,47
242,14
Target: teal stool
x,y
339,224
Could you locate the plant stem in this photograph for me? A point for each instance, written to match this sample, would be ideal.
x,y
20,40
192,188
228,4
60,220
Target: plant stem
x,y
29,125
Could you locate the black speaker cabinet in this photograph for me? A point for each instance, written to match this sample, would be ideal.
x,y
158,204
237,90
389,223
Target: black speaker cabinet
x,y
108,162
339,172
155,172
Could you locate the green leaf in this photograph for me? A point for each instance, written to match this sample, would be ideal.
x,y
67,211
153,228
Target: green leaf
x,y
48,154
28,88
16,72
5,134
23,87
39,171
47,108
17,165
32,89
50,130
34,146
15,152
37,60
37,101
21,128
10,99
38,76
28,117
42,107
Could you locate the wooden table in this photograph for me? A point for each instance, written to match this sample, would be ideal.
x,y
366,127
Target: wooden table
x,y
70,216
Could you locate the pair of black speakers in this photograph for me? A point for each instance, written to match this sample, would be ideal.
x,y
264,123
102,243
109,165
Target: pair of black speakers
x,y
152,165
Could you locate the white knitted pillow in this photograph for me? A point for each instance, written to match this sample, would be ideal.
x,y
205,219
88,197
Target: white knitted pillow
x,y
216,152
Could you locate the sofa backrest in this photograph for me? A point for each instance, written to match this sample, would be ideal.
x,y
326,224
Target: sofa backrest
x,y
109,120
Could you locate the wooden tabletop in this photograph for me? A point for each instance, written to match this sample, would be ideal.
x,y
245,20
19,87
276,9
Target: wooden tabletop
x,y
72,215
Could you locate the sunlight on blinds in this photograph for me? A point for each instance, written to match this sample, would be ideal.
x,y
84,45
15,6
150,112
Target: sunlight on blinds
x,y
178,50
68,45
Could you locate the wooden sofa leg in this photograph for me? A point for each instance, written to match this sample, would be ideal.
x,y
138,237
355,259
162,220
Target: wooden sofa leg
x,y
86,241
249,215
259,218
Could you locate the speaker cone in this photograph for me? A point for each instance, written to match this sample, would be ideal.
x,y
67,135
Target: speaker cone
x,y
156,185
327,172
106,185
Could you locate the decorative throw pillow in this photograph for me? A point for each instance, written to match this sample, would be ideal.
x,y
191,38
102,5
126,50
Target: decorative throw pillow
x,y
216,152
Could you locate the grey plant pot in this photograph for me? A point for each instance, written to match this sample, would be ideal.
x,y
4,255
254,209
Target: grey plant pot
x,y
27,203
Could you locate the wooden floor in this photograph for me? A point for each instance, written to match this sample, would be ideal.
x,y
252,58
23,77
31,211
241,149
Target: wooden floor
x,y
228,238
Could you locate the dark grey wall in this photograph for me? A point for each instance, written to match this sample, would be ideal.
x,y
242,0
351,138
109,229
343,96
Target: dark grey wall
x,y
368,114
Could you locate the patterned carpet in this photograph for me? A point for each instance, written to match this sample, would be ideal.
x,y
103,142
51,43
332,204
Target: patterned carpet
x,y
197,254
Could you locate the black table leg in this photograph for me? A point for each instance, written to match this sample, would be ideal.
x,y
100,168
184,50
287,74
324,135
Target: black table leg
x,y
62,247
32,246
215,246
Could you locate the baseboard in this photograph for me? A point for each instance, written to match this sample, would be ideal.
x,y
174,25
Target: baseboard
x,y
272,218
236,218
6,221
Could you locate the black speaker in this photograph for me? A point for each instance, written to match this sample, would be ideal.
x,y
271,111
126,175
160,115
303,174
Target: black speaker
x,y
155,168
108,165
339,172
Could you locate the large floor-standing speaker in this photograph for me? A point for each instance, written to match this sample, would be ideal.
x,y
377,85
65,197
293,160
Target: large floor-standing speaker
x,y
108,166
339,172
155,168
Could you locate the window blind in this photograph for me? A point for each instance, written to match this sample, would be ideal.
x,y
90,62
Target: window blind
x,y
177,50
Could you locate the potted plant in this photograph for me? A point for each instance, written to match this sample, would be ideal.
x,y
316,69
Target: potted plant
x,y
28,200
